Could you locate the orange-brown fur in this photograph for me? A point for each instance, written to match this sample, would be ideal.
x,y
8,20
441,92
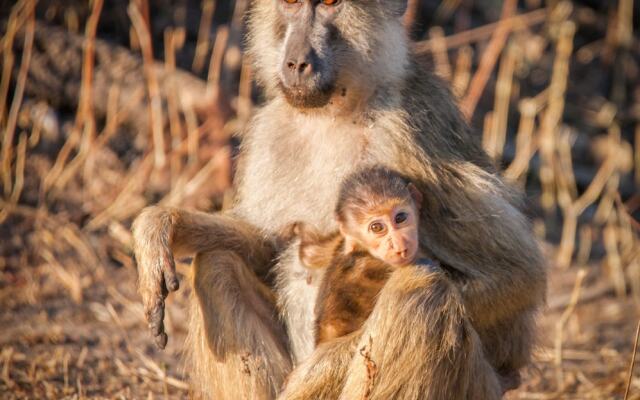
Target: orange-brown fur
x,y
432,334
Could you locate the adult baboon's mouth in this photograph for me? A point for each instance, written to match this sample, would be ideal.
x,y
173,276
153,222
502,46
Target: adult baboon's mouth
x,y
300,97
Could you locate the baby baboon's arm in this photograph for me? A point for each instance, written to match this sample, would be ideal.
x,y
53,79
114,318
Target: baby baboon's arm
x,y
162,233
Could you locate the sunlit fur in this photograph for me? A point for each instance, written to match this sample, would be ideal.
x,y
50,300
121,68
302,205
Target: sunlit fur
x,y
431,335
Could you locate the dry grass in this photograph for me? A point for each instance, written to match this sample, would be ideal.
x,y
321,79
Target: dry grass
x,y
73,325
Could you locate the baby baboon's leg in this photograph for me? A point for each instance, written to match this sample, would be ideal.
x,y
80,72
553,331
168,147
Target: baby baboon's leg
x,y
238,349
321,376
418,344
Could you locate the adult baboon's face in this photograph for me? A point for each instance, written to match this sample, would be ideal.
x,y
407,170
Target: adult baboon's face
x,y
313,50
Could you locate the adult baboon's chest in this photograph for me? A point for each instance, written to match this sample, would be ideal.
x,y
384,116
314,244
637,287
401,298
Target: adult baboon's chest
x,y
295,174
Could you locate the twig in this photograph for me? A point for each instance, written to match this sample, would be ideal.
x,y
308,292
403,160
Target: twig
x,y
372,368
489,58
633,361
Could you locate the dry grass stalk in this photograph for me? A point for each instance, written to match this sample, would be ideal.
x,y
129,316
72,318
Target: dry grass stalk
x,y
633,361
193,133
16,19
525,145
572,211
484,32
462,74
7,141
20,162
563,165
624,32
158,373
68,278
606,205
155,100
85,121
215,64
202,44
123,205
585,244
175,125
553,114
613,259
439,50
495,141
244,96
559,337
179,193
489,59
637,154
409,18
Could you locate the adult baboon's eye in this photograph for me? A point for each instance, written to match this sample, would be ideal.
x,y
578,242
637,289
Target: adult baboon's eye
x,y
376,227
290,1
401,217
330,2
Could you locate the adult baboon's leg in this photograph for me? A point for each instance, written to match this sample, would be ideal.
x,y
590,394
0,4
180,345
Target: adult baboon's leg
x,y
418,344
237,348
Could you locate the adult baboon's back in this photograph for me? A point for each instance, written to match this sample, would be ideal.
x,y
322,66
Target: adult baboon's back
x,y
344,91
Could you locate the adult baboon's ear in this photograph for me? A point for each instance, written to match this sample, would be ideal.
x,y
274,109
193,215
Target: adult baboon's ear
x,y
395,7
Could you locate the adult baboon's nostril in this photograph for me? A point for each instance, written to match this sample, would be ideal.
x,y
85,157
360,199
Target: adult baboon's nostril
x,y
291,65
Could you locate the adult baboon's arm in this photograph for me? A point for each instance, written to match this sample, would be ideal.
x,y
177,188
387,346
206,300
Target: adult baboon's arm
x,y
487,243
162,233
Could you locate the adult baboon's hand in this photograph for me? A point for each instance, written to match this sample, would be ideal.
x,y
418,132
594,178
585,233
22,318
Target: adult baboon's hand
x,y
156,267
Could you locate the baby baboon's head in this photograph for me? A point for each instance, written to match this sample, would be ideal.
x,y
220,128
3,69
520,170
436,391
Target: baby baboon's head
x,y
316,52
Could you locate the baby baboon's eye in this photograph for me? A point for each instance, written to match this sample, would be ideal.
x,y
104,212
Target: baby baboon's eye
x,y
376,227
290,1
401,217
330,2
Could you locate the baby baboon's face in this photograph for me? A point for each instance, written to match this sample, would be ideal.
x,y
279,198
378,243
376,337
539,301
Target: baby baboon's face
x,y
392,235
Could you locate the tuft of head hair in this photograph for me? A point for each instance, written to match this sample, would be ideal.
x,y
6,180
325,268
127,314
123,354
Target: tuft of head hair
x,y
369,189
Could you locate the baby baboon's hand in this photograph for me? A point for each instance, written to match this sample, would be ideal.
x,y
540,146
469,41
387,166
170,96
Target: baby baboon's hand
x,y
156,267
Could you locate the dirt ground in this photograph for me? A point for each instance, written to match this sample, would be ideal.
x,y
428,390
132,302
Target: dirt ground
x,y
54,347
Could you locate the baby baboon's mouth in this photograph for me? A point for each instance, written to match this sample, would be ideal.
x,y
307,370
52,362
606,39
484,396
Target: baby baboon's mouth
x,y
302,97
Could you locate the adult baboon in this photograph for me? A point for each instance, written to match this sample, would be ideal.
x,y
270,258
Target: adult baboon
x,y
344,91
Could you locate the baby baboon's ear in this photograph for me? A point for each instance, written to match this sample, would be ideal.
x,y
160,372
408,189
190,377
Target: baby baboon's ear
x,y
396,7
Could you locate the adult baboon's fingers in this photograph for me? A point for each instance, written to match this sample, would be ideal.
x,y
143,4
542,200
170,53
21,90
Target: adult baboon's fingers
x,y
161,340
155,317
170,279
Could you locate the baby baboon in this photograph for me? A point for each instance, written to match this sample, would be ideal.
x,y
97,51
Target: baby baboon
x,y
377,214
343,90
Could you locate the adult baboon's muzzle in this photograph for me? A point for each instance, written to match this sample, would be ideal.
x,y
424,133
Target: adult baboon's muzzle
x,y
305,79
